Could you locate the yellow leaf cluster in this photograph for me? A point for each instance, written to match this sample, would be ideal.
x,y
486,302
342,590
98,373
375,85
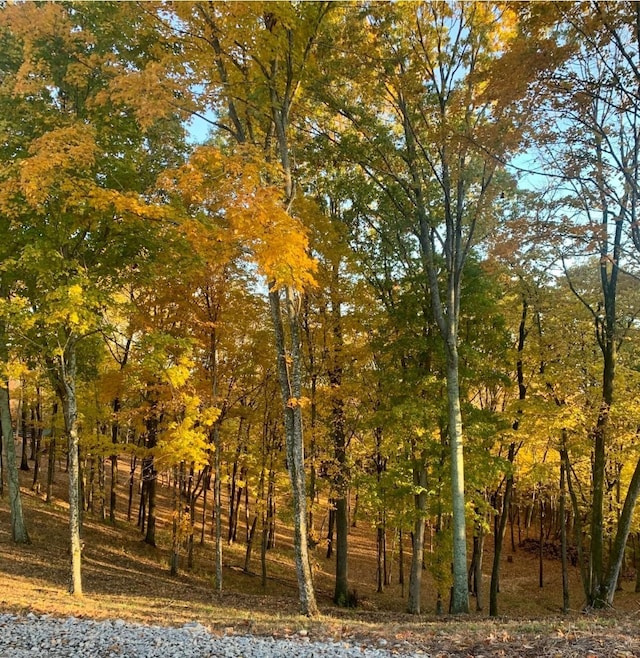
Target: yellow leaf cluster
x,y
55,161
178,374
186,439
241,205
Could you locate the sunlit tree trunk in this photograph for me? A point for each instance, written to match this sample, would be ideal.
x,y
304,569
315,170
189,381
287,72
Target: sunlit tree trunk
x,y
65,380
289,375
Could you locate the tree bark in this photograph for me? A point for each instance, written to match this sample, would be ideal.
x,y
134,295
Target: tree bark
x,y
217,506
622,534
19,532
65,380
417,552
563,540
499,539
289,376
460,593
341,591
24,461
150,475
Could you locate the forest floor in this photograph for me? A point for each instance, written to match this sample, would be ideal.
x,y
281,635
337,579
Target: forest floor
x,y
124,578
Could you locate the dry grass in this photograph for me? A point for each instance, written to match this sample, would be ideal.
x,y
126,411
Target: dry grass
x,y
127,579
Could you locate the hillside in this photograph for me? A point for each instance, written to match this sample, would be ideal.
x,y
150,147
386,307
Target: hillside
x,y
126,579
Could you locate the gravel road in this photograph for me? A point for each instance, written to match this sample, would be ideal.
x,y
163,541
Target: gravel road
x,y
33,636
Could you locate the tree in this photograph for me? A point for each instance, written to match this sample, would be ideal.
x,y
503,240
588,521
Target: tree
x,y
72,191
591,140
19,532
430,134
254,84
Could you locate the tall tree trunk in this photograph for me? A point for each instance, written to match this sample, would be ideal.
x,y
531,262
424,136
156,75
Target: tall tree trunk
x,y
341,591
37,441
113,459
381,552
417,552
563,540
541,544
65,380
289,375
494,586
475,569
460,593
149,473
19,532
597,589
217,506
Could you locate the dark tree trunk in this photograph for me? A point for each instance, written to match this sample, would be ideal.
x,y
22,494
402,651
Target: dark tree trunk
x,y
541,546
132,481
19,532
250,538
24,461
381,552
149,473
563,541
37,442
51,465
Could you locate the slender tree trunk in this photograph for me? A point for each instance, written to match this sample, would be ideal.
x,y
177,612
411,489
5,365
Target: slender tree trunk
x,y
217,506
132,476
475,568
417,552
401,559
205,491
541,545
113,459
66,385
37,441
149,473
176,520
250,539
233,500
32,429
19,532
289,375
494,586
563,541
263,549
51,466
330,528
381,548
341,591
564,455
24,461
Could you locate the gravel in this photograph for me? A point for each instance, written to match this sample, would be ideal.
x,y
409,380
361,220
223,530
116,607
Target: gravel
x,y
33,636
